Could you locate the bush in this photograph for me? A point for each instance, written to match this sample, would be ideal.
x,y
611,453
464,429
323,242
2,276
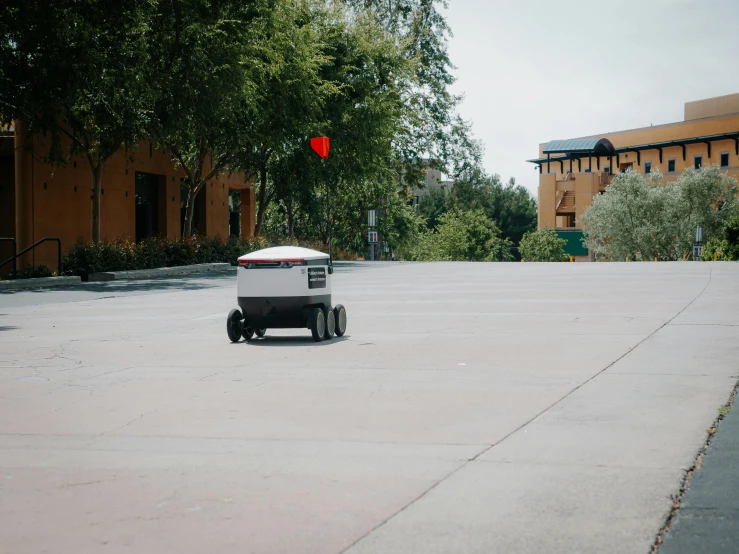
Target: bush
x,y
463,236
84,258
726,248
31,272
543,246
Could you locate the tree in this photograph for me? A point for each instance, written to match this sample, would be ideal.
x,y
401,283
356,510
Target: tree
x,y
463,236
290,96
542,246
432,130
511,206
206,59
640,218
432,206
399,224
362,116
725,246
72,68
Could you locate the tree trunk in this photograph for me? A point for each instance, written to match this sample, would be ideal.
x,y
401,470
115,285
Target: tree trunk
x,y
189,209
97,184
262,200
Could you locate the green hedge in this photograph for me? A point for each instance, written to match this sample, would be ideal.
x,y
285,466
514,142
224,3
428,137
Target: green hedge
x,y
30,272
84,258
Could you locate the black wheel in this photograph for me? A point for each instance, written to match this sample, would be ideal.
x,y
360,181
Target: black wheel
x,y
233,325
260,332
317,324
247,333
330,324
340,316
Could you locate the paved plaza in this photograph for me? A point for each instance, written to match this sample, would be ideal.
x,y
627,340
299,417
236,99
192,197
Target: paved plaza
x,y
470,408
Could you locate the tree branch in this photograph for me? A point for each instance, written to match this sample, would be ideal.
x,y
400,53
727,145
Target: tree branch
x,y
176,153
217,167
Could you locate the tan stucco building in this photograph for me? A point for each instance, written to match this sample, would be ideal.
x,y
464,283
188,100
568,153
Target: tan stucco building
x,y
141,197
573,171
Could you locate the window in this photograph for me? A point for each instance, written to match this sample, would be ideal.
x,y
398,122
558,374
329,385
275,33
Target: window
x,y
698,162
607,169
724,159
587,170
671,165
647,168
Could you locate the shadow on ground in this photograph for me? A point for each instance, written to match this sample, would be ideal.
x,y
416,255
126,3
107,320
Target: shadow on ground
x,y
181,282
296,340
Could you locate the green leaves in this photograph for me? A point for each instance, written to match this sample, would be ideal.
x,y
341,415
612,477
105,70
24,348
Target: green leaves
x,y
241,85
542,246
510,206
432,206
641,219
463,236
74,68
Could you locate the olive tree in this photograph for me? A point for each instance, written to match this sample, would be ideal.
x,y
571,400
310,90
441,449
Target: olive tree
x,y
640,218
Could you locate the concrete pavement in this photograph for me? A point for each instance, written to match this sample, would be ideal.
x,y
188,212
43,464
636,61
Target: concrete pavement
x,y
469,408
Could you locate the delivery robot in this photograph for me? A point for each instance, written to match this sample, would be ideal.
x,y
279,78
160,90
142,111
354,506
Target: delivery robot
x,y
285,287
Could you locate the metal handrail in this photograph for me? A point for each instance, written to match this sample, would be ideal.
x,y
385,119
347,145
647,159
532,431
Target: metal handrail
x,y
34,245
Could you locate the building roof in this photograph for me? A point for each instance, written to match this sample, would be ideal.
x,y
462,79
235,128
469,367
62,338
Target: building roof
x,y
574,153
596,145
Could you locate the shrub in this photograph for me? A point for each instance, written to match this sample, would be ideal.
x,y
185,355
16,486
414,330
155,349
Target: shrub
x,y
151,253
463,236
31,272
84,258
543,246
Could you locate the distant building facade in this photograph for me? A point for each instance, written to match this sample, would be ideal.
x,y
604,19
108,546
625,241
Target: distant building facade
x,y
432,179
141,197
573,171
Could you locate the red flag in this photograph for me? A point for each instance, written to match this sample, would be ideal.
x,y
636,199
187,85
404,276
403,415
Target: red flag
x,y
321,146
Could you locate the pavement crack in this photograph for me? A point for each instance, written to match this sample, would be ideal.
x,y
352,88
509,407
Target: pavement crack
x,y
134,420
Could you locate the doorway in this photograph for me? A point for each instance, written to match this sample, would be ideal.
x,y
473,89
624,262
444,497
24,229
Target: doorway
x,y
149,198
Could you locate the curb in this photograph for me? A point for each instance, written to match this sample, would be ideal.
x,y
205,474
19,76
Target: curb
x,y
158,272
40,282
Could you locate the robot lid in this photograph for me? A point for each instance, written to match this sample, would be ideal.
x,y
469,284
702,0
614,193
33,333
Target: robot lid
x,y
283,254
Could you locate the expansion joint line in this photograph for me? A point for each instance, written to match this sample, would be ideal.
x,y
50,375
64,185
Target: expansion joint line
x,y
526,423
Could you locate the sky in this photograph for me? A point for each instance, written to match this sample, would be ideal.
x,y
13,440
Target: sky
x,y
532,71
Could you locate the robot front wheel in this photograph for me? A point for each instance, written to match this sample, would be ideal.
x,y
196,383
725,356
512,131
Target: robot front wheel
x,y
340,319
317,324
325,323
